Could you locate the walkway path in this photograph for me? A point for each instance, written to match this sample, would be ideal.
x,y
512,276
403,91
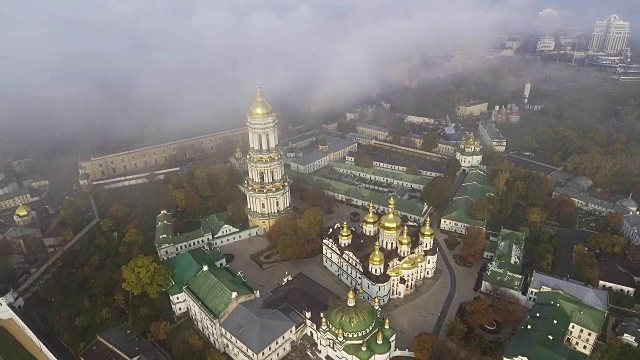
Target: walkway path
x,y
24,289
453,283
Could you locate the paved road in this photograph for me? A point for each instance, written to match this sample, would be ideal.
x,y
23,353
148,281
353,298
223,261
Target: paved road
x,y
453,283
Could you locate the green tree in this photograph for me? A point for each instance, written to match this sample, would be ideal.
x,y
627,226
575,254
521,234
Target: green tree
x,y
437,191
345,126
237,213
481,209
473,244
612,222
107,225
284,235
144,274
430,141
457,329
585,266
397,131
363,159
544,257
159,330
535,216
423,345
133,237
607,243
70,213
196,342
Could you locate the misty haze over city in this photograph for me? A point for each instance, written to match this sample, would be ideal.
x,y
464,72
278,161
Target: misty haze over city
x,y
83,63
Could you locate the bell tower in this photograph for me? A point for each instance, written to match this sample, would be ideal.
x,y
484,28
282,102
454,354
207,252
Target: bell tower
x,y
267,187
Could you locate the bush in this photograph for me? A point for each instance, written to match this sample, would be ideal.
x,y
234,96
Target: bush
x,y
460,261
451,242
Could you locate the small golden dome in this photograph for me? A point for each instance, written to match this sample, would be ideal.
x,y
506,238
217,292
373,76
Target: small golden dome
x,y
404,240
23,211
260,107
324,320
376,301
377,257
380,337
386,323
340,332
391,222
351,295
426,231
345,233
371,217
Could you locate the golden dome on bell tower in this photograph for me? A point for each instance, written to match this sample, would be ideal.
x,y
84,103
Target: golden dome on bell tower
x,y
260,107
345,233
391,222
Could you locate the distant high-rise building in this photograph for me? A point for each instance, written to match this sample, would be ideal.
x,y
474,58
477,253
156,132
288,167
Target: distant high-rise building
x,y
610,36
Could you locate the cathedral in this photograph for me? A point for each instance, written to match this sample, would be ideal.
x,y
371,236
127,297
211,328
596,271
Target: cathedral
x,y
267,187
386,260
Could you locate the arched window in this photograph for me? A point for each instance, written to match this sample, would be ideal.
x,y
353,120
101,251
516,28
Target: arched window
x,y
261,176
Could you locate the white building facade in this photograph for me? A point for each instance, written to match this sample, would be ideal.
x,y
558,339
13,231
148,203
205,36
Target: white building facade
x,y
469,152
267,187
395,268
610,36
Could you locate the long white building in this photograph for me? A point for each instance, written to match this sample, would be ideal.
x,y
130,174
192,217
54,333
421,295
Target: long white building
x,y
385,260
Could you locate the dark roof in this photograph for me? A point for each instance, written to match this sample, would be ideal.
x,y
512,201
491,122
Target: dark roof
x,y
612,271
530,163
298,295
593,297
126,340
256,327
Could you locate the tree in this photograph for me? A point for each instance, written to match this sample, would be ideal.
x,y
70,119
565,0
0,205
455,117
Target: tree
x,y
473,244
535,216
585,266
310,224
430,141
237,213
607,243
423,345
345,126
506,308
412,170
196,343
107,225
478,311
500,181
159,330
544,257
436,191
213,354
363,159
612,222
144,274
70,213
397,131
481,209
133,237
457,329
283,234
567,214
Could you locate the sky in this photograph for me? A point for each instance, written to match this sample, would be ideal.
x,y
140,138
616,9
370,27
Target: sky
x,y
97,64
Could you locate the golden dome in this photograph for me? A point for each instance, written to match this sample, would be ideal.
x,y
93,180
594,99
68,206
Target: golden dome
x,y
391,222
260,106
324,320
377,257
386,323
380,337
404,240
351,295
345,233
340,332
371,217
23,211
376,301
426,231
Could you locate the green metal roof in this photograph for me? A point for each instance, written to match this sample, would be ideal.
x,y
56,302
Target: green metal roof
x,y
476,185
210,224
402,205
214,288
408,178
491,247
540,338
505,268
187,265
373,348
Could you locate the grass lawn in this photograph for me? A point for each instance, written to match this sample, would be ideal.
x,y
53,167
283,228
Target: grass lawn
x,y
11,349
